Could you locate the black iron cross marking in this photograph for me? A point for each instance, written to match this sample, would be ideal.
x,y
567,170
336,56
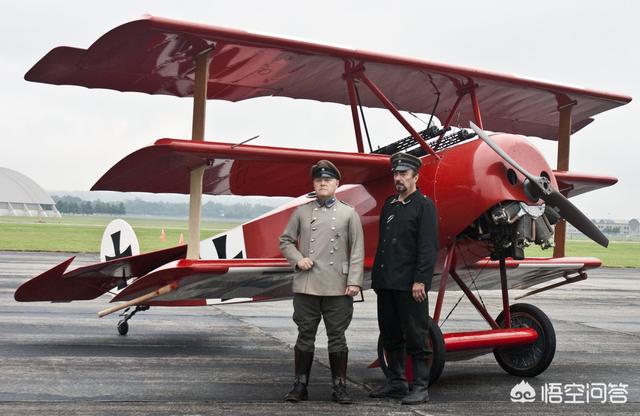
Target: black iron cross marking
x,y
220,243
115,238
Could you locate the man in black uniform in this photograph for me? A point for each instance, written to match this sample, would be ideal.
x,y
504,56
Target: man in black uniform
x,y
401,277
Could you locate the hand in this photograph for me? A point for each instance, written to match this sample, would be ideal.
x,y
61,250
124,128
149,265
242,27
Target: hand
x,y
352,291
305,264
418,292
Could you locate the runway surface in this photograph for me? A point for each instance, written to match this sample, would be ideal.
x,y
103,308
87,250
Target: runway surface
x,y
238,359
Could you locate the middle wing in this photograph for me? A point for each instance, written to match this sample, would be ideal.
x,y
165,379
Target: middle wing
x,y
232,170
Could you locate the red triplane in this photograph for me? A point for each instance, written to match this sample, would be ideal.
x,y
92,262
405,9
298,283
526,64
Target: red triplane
x,y
495,194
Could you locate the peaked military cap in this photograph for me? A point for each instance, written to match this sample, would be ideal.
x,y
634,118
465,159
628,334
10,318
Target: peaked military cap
x,y
404,161
325,169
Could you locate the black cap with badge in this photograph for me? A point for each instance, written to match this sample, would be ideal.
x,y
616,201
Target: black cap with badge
x,y
325,169
404,161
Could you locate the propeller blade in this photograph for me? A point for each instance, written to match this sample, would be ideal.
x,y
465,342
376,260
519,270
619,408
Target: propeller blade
x,y
485,137
574,216
542,184
548,194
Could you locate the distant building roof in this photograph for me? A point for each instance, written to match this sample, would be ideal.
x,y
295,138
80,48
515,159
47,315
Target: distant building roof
x,y
18,188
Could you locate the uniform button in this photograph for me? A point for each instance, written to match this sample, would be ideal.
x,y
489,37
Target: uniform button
x,y
333,218
313,229
311,251
331,251
382,266
313,239
333,228
315,209
332,240
331,263
384,241
315,218
334,210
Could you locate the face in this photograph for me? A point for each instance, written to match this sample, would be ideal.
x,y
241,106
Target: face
x,y
405,180
325,187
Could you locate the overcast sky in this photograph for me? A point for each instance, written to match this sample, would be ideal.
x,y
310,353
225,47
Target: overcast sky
x,y
66,137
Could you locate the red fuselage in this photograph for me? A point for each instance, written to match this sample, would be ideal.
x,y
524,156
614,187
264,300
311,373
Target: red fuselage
x,y
468,180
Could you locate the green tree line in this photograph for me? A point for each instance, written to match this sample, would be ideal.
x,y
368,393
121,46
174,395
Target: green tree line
x,y
74,205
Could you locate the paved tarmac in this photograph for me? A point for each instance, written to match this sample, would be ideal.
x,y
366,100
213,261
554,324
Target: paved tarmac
x,y
238,359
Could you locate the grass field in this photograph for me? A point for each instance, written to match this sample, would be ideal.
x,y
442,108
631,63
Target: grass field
x,y
84,233
618,254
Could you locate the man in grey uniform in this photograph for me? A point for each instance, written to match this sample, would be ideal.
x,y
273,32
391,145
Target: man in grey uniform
x,y
324,242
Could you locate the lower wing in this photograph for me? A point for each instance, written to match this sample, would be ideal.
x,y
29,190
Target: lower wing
x,y
527,273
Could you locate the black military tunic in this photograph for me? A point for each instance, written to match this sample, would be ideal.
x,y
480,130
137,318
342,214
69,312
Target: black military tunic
x,y
408,243
406,254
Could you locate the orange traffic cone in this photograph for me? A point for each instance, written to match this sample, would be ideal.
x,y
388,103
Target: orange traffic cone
x,y
181,239
163,234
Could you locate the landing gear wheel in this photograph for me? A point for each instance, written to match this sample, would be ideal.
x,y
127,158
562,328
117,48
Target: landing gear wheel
x,y
528,360
123,327
436,359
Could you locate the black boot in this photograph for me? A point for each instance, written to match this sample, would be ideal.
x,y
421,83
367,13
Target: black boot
x,y
395,386
303,361
420,393
338,363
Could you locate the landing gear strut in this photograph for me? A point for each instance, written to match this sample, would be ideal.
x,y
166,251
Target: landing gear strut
x,y
123,326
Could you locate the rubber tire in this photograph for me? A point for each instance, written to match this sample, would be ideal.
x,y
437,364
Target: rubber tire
x,y
546,341
436,360
123,328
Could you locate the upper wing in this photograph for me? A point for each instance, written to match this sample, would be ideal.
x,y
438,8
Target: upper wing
x,y
237,170
156,56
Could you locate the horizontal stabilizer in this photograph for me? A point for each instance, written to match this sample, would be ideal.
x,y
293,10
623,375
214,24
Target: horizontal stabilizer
x,y
89,282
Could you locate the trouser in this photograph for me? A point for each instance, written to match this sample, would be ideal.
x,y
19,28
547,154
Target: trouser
x,y
336,311
403,322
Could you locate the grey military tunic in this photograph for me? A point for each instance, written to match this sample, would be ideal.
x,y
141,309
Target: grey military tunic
x,y
333,238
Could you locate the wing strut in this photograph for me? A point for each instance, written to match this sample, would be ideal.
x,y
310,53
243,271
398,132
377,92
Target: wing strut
x,y
357,72
197,134
353,102
387,103
564,135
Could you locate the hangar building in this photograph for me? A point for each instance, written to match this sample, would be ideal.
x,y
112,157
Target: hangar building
x,y
21,196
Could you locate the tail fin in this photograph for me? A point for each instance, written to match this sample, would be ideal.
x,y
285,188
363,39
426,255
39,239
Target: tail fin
x,y
119,240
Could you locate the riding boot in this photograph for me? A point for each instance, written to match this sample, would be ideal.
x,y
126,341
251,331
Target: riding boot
x,y
338,362
420,393
395,386
303,361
